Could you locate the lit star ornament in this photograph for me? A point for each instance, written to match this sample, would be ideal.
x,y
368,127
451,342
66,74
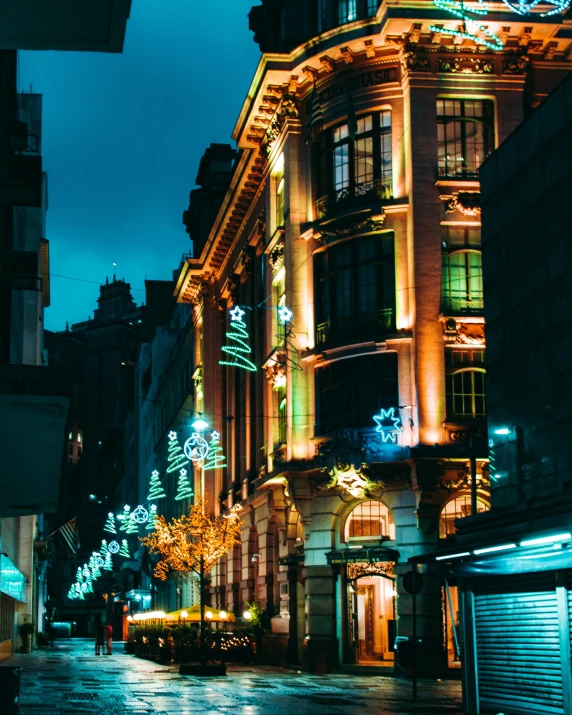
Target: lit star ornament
x,y
388,425
154,473
215,436
183,472
285,314
172,435
236,313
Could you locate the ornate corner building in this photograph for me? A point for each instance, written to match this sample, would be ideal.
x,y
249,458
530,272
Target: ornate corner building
x,y
351,403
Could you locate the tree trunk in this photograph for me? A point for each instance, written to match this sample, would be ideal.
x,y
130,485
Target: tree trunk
x,y
202,629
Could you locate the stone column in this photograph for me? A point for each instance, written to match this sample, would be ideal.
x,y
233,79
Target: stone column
x,y
320,643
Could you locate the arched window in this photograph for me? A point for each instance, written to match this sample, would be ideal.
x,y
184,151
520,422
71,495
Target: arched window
x,y
370,520
457,508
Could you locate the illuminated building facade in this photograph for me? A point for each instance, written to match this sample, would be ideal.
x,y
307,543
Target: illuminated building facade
x,y
354,204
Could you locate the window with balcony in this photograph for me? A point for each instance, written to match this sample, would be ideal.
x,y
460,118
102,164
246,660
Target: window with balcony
x,y
465,136
466,393
355,290
370,520
462,275
457,508
356,163
350,392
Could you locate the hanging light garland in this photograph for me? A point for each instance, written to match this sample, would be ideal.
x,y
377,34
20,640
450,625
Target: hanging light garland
x,y
472,29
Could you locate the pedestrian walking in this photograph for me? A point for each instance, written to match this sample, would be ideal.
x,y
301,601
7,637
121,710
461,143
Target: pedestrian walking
x,y
99,638
109,638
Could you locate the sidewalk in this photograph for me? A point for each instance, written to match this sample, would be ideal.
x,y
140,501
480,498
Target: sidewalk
x,y
70,679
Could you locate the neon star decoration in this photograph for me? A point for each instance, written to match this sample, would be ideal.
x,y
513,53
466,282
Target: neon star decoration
x,y
140,515
172,435
471,27
285,315
238,337
388,425
196,448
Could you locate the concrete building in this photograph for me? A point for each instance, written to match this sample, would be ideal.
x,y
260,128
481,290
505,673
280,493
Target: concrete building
x,y
514,563
340,283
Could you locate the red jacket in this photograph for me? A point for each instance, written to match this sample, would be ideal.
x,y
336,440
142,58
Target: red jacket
x,y
108,632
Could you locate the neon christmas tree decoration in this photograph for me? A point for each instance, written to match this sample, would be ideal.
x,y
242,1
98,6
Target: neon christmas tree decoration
x,y
471,27
239,347
196,448
86,572
140,515
132,526
388,425
108,565
110,524
125,549
216,458
113,547
125,518
89,588
175,457
152,518
156,490
184,489
79,575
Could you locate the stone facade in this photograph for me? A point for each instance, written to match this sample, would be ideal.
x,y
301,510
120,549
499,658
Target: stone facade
x,y
299,468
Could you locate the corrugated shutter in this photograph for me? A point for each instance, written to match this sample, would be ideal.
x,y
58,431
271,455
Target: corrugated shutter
x,y
518,646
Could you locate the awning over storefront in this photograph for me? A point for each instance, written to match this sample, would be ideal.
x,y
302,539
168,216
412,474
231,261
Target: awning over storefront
x,y
363,554
193,614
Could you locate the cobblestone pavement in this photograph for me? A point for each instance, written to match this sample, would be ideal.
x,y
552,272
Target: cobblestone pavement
x,y
71,679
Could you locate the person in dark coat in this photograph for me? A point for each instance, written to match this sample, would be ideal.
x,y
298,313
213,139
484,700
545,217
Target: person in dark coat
x,y
99,638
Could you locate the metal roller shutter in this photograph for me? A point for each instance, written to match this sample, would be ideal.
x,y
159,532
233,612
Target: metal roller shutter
x,y
518,645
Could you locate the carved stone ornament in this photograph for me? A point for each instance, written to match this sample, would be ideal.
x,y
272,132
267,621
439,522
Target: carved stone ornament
x,y
347,226
466,65
379,568
287,109
469,334
466,203
276,369
276,257
463,481
413,63
352,480
516,65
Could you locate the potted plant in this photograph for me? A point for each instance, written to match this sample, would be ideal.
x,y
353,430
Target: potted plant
x,y
26,630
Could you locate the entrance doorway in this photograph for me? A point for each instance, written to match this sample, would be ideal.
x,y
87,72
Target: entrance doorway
x,y
371,622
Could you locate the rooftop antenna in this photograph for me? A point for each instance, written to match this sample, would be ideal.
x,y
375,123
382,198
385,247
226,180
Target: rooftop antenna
x,y
114,267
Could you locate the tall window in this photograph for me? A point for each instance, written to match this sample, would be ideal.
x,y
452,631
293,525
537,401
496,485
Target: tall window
x,y
465,135
462,277
347,11
357,160
466,394
457,508
370,519
350,392
278,179
355,289
372,6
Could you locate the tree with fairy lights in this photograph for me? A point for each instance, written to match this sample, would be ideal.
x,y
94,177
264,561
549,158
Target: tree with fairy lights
x,y
215,458
239,347
194,543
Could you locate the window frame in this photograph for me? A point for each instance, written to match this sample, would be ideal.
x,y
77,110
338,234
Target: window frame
x,y
390,534
447,167
461,240
467,497
381,136
473,396
332,325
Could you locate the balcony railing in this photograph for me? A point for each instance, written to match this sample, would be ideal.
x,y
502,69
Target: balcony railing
x,y
454,170
342,330
457,306
357,195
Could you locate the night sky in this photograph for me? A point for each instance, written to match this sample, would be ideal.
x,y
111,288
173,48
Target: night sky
x,y
122,138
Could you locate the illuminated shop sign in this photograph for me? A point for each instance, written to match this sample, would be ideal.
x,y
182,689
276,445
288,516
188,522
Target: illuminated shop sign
x,y
12,581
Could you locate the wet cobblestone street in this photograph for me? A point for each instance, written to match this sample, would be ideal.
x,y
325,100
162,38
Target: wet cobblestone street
x,y
71,679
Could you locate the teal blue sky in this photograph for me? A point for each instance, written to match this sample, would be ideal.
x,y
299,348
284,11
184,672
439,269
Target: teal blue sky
x,y
122,138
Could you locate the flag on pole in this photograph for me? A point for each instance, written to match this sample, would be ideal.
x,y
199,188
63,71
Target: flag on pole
x,y
314,115
69,536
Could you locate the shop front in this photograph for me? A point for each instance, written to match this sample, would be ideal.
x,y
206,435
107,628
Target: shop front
x,y
368,604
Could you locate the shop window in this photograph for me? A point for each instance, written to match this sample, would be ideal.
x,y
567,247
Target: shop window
x,y
356,162
462,276
465,135
350,392
355,290
457,508
370,520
